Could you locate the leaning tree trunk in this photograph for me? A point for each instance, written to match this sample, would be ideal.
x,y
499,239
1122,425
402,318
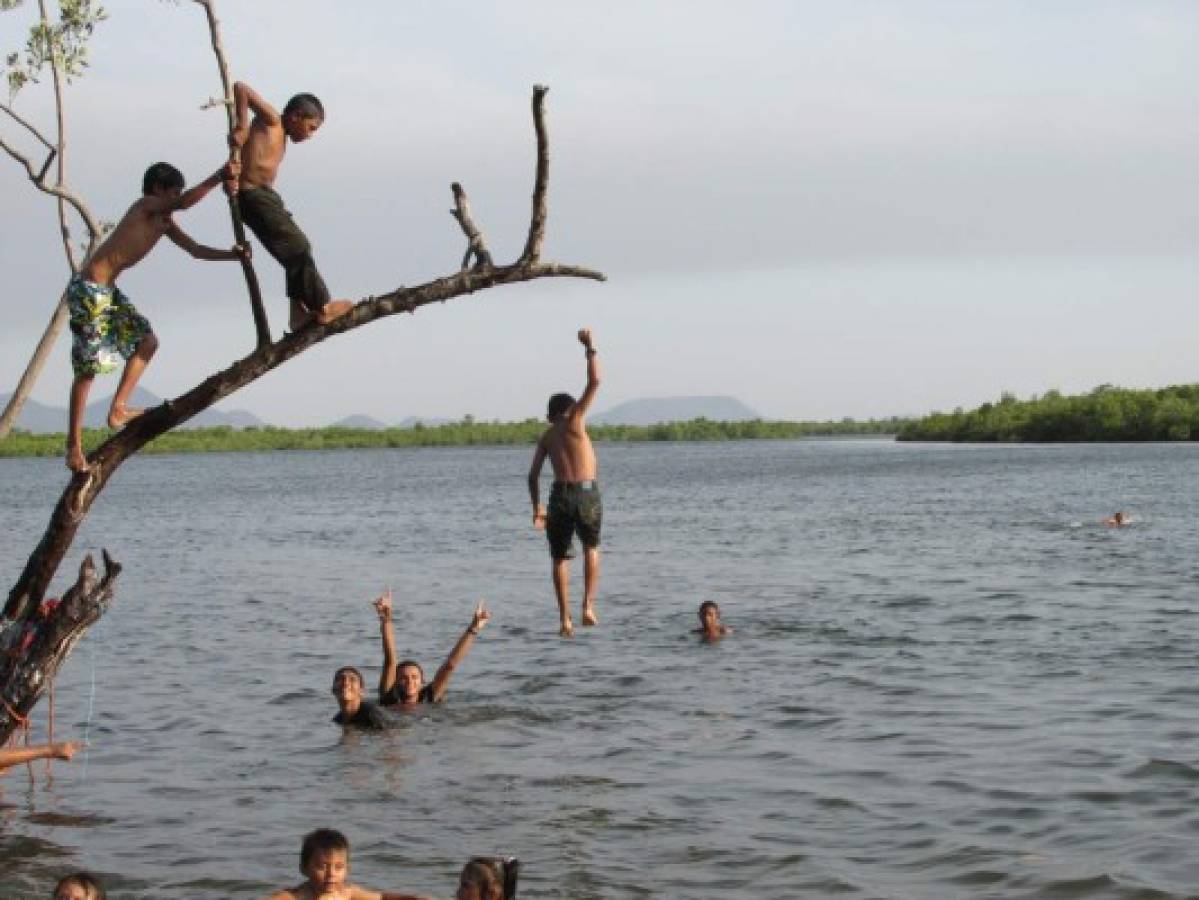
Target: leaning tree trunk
x,y
30,661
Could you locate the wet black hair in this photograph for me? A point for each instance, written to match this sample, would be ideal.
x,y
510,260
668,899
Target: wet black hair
x,y
161,176
306,106
709,604
323,839
558,405
490,872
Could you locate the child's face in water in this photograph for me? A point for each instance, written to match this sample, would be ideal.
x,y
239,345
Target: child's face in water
x,y
326,871
410,683
709,618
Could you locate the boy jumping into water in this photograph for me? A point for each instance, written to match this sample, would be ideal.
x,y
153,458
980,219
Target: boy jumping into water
x,y
104,324
575,506
325,865
262,144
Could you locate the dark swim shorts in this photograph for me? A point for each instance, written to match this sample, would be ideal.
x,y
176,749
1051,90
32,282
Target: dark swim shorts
x,y
263,212
574,508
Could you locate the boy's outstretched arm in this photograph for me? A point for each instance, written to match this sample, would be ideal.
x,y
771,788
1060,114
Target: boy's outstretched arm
x,y
387,678
579,410
441,681
535,485
246,98
14,756
201,251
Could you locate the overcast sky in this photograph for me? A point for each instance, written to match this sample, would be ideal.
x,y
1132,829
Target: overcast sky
x,y
824,209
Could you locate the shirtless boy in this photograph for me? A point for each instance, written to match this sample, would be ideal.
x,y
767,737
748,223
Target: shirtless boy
x,y
261,145
104,324
575,506
325,864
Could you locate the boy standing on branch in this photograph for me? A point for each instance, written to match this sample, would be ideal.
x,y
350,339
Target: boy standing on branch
x,y
261,145
575,506
105,325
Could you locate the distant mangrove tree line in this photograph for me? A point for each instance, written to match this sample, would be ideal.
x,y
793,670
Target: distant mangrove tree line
x,y
467,431
1105,414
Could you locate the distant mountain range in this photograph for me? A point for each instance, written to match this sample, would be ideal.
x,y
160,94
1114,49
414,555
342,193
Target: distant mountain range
x,y
653,410
40,418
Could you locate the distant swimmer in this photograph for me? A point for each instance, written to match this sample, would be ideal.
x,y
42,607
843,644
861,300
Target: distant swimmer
x,y
711,628
325,865
488,878
14,756
352,710
575,506
80,886
1117,520
403,683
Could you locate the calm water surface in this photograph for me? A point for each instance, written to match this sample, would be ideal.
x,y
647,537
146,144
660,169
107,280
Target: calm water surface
x,y
947,680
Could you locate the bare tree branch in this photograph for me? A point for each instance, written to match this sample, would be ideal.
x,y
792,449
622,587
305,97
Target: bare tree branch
x,y
532,251
26,125
475,245
261,325
61,48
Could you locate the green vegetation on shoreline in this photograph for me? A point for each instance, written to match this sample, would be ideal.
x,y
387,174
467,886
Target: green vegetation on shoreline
x,y
1105,414
455,434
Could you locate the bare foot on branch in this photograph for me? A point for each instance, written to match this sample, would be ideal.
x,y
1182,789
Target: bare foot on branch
x,y
334,309
120,416
76,461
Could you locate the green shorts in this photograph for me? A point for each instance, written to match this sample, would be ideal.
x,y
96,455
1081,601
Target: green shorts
x,y
105,327
575,507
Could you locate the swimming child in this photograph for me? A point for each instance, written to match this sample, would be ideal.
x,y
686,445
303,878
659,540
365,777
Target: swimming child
x,y
348,688
261,145
403,683
1117,520
105,325
575,506
710,626
325,864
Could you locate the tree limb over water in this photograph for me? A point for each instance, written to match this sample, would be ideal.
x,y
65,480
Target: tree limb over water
x,y
24,605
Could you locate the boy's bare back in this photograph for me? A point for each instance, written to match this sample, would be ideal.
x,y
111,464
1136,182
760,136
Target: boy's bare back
x,y
569,448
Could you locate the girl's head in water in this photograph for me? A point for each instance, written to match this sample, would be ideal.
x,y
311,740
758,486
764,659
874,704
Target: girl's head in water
x,y
488,878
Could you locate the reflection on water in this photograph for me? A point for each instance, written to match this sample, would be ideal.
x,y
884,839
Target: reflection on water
x,y
947,677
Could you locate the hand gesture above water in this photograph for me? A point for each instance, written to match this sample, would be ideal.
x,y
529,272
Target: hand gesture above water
x,y
383,606
481,618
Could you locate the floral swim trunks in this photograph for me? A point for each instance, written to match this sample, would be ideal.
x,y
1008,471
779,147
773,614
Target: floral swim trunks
x,y
105,327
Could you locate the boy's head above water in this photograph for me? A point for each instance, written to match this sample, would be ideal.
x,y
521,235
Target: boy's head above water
x,y
325,860
302,116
